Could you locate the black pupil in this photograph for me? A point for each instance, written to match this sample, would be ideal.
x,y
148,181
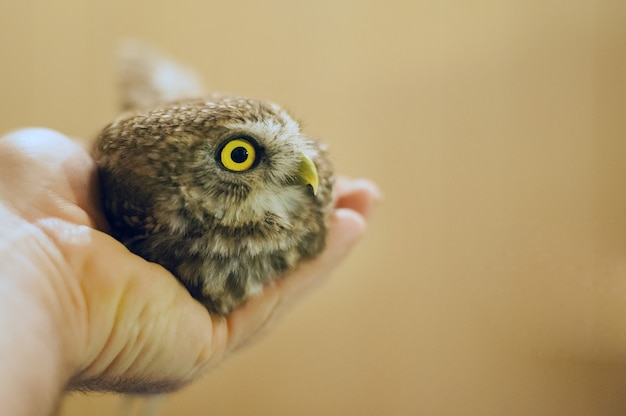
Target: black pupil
x,y
239,154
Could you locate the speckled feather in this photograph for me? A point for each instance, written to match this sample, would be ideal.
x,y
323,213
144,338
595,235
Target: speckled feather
x,y
223,234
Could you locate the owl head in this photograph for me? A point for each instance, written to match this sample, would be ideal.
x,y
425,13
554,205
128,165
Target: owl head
x,y
235,161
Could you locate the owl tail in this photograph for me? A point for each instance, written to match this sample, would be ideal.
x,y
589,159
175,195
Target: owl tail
x,y
147,78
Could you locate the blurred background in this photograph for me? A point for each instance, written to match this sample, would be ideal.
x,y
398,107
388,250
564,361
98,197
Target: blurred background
x,y
493,277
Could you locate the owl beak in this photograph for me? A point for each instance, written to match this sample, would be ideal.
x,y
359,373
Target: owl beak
x,y
308,173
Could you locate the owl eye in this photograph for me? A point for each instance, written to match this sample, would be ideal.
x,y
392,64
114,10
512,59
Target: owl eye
x,y
238,154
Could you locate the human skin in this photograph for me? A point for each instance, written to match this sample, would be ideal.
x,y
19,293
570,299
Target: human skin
x,y
79,311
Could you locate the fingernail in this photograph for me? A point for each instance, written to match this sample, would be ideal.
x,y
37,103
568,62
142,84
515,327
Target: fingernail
x,y
370,186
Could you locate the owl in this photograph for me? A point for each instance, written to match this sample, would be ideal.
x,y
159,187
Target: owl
x,y
225,192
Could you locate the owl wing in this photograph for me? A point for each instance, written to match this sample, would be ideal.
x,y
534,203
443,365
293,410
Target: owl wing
x,y
129,212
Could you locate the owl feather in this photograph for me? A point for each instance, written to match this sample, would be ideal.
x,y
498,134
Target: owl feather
x,y
225,192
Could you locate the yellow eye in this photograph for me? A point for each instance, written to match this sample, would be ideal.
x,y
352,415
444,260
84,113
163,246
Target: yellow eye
x,y
238,154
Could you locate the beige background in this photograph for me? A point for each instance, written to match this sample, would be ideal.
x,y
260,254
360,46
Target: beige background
x,y
493,277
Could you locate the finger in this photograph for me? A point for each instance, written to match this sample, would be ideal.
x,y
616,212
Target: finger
x,y
360,195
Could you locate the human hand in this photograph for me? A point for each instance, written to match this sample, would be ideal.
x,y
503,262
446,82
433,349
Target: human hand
x,y
99,316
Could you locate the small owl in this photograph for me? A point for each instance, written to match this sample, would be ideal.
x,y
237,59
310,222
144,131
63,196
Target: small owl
x,y
225,192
